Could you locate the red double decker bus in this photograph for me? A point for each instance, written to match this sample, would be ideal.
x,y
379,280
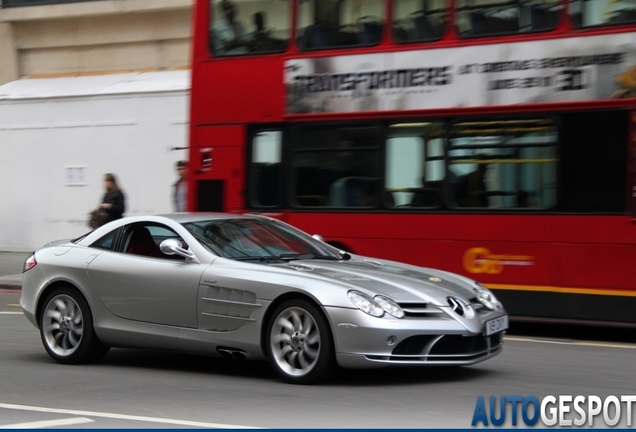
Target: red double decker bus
x,y
491,138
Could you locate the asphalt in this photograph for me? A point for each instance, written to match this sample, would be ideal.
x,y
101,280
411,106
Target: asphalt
x,y
11,269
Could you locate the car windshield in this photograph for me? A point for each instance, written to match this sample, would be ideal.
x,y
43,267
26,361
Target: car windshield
x,y
258,240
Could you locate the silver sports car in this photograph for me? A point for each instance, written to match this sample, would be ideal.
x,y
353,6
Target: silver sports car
x,y
251,287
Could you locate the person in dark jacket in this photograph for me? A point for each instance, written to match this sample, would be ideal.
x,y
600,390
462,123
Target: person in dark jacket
x,y
113,203
180,187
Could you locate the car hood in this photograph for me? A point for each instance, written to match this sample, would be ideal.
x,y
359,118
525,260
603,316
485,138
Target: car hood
x,y
400,282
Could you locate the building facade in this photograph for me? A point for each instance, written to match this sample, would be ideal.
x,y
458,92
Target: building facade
x,y
40,39
88,88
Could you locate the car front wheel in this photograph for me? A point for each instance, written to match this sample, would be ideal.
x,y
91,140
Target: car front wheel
x,y
66,328
299,344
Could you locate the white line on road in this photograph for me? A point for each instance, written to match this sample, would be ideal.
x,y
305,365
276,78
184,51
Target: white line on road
x,y
48,423
572,342
10,313
124,417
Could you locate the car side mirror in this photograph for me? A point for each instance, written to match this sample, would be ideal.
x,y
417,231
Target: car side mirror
x,y
174,247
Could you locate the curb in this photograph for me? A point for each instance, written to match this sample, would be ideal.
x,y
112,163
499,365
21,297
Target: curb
x,y
11,282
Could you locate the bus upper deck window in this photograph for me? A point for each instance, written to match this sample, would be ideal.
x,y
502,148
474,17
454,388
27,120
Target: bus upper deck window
x,y
419,21
478,18
588,13
339,23
240,27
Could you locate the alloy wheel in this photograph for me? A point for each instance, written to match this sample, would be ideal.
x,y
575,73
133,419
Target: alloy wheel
x,y
62,325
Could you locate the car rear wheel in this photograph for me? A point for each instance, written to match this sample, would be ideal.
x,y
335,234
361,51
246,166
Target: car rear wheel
x,y
299,343
66,328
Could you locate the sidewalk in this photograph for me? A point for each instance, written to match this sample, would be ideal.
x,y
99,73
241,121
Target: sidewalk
x,y
11,269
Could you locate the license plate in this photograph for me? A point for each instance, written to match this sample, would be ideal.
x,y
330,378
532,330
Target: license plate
x,y
496,325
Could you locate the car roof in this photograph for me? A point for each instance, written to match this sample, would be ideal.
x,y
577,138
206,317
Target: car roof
x,y
195,217
179,218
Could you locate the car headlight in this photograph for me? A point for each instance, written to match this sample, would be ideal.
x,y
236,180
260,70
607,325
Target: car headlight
x,y
377,306
485,296
389,306
365,303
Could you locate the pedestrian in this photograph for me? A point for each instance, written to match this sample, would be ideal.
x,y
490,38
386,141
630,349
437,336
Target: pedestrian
x,y
112,206
180,187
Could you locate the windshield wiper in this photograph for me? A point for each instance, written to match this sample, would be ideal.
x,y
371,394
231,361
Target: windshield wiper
x,y
327,257
295,256
289,257
258,258
281,257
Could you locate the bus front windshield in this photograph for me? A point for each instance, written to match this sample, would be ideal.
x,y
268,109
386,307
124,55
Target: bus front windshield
x,y
258,240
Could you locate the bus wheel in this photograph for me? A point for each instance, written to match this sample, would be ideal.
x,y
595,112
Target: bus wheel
x,y
299,343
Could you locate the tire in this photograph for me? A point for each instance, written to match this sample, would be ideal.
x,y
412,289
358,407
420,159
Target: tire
x,y
300,344
66,328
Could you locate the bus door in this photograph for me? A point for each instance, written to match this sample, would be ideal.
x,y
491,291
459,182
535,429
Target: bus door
x,y
216,161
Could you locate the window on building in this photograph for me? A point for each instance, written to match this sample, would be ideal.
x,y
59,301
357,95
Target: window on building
x,y
240,27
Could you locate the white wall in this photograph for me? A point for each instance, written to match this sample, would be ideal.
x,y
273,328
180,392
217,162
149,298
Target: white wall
x,y
127,134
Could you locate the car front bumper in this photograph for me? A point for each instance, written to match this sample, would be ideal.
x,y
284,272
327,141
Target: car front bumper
x,y
363,341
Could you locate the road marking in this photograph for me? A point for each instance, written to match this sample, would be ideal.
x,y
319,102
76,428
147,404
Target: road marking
x,y
124,417
573,342
10,313
13,304
48,423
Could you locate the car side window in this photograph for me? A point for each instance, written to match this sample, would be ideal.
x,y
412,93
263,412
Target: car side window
x,y
144,240
107,242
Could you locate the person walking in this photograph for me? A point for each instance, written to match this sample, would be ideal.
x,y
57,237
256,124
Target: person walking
x,y
180,187
113,203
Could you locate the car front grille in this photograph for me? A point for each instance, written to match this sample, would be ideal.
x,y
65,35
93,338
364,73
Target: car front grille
x,y
425,310
421,310
443,349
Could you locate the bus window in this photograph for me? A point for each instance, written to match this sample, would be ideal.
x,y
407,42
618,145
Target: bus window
x,y
242,27
415,167
476,18
417,21
335,166
265,169
503,164
586,13
339,23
